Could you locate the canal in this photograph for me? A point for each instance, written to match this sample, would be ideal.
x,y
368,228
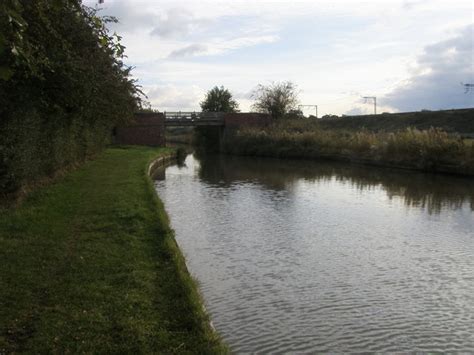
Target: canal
x,y
298,256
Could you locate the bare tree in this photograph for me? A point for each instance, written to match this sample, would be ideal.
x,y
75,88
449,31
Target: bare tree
x,y
277,99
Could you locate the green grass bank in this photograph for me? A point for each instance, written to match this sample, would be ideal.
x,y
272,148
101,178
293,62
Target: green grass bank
x,y
431,150
90,265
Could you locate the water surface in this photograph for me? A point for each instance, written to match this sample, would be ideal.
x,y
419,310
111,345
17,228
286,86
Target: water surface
x,y
297,256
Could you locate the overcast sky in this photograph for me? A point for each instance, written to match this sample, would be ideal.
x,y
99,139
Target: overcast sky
x,y
411,54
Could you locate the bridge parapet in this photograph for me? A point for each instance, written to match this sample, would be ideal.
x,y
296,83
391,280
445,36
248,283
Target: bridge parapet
x,y
179,118
247,119
182,115
229,120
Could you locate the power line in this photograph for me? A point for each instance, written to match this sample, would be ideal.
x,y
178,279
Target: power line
x,y
468,88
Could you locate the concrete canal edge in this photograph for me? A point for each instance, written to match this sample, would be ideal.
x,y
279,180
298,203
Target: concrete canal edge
x,y
162,162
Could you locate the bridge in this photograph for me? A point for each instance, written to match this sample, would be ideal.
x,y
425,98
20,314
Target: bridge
x,y
149,128
186,119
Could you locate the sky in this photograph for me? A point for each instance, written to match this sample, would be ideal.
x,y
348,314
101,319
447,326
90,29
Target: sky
x,y
410,54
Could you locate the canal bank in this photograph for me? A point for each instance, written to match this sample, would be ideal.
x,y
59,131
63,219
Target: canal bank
x,y
90,264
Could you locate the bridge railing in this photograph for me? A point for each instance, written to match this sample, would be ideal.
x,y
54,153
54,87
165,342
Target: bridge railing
x,y
193,116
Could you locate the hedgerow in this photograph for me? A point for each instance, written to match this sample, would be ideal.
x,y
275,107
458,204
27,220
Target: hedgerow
x,y
63,87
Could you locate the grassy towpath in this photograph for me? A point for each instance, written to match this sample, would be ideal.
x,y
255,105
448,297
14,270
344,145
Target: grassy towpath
x,y
89,264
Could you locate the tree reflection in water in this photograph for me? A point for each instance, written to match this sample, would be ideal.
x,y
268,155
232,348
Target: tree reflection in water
x,y
432,192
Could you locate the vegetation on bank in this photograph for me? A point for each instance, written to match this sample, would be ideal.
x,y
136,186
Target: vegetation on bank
x,y
63,87
428,150
90,265
453,121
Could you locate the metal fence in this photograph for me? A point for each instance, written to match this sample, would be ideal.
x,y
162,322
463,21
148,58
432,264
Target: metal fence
x,y
193,116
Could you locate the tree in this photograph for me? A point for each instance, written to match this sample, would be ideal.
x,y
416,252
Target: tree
x,y
219,99
277,99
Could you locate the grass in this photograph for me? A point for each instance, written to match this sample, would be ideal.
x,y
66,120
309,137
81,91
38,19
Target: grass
x,y
469,142
90,265
429,150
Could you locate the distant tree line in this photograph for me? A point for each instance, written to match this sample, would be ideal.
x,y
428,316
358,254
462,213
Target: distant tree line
x,y
63,87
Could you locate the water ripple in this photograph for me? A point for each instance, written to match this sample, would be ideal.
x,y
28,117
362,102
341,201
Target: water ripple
x,y
323,265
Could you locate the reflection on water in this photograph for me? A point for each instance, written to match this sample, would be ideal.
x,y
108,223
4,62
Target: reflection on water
x,y
298,256
431,191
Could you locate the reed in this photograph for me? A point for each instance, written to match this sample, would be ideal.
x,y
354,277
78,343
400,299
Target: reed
x,y
431,150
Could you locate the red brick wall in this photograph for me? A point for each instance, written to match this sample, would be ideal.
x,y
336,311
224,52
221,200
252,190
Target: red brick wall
x,y
147,129
236,120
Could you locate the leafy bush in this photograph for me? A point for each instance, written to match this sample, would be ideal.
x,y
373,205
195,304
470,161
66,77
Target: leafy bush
x,y
63,87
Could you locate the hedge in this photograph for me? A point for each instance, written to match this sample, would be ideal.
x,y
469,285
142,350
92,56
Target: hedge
x,y
63,87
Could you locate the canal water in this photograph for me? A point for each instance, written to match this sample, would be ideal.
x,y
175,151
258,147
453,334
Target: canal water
x,y
298,256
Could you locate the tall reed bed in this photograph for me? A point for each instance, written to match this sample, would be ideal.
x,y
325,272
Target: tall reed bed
x,y
431,150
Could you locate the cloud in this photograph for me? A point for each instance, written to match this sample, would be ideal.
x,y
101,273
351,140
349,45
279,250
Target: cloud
x,y
241,42
243,95
188,51
220,45
177,23
435,81
173,97
411,4
357,111
131,16
323,46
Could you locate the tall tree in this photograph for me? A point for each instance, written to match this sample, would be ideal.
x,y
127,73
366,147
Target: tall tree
x,y
219,99
277,99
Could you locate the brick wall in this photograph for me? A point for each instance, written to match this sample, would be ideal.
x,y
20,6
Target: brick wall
x,y
236,120
147,129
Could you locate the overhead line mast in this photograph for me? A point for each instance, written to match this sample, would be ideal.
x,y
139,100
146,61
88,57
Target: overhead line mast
x,y
374,98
